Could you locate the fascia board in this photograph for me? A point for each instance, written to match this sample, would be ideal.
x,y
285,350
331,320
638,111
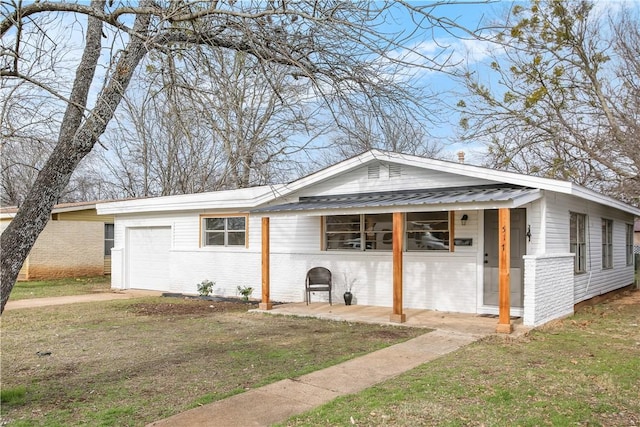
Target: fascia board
x,y
593,196
481,172
510,204
528,198
74,208
423,163
245,198
558,186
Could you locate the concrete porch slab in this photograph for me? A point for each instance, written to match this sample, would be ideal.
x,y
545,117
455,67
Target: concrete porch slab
x,y
473,324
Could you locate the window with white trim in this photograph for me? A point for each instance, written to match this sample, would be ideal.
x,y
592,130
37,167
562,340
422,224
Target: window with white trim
x,y
224,231
577,241
607,243
108,239
629,245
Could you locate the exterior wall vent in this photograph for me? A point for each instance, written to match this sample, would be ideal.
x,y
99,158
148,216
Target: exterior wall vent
x,y
373,172
395,171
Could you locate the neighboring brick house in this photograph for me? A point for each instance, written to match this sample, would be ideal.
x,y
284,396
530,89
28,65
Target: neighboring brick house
x,y
636,237
76,242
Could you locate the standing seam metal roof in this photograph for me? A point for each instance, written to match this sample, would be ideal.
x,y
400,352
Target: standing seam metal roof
x,y
433,196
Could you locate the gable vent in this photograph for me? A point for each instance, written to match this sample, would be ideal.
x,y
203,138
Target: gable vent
x,y
395,171
373,172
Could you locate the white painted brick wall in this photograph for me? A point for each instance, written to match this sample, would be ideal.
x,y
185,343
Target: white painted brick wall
x,y
548,288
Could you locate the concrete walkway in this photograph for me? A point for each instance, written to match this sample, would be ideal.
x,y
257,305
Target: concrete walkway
x,y
71,299
278,401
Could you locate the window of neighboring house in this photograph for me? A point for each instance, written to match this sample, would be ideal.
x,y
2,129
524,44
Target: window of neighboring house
x,y
225,231
607,243
347,232
108,239
629,245
577,241
427,231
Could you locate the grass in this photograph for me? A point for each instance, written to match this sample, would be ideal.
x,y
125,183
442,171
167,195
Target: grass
x,y
60,287
584,370
131,362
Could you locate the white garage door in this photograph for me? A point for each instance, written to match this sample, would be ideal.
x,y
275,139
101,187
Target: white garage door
x,y
148,265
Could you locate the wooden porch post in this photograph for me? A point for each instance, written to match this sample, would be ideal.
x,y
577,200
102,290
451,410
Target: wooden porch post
x,y
504,265
398,244
265,304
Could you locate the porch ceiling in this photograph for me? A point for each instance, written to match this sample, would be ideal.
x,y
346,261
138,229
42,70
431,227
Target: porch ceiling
x,y
433,196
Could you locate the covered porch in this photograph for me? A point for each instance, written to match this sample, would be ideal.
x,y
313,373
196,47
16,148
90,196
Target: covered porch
x,y
470,324
453,202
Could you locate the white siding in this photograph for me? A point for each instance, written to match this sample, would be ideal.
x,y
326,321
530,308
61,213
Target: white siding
x,y
536,224
411,178
595,281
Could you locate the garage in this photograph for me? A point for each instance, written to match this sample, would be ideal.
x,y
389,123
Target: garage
x,y
148,266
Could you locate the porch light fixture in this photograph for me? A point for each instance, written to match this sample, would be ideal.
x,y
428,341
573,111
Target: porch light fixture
x,y
464,219
529,232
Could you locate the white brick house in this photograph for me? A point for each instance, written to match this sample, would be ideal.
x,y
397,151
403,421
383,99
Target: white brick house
x,y
409,232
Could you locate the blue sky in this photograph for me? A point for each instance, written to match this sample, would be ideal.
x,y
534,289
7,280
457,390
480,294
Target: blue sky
x,y
472,15
469,14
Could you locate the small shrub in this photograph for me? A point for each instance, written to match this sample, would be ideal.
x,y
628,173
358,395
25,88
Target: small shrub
x,y
205,288
245,291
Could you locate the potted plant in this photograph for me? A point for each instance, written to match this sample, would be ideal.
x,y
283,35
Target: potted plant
x,y
348,288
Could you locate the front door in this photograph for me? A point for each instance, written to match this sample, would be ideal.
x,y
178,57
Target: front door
x,y
518,250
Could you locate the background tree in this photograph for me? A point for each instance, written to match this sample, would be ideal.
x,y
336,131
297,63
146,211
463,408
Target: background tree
x,y
358,131
561,97
338,48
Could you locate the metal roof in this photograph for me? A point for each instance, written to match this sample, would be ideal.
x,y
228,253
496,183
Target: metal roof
x,y
433,196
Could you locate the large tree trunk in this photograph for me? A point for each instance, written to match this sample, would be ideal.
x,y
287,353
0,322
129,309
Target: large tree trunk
x,y
76,139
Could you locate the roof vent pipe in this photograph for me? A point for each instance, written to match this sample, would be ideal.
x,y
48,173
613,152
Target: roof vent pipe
x,y
460,156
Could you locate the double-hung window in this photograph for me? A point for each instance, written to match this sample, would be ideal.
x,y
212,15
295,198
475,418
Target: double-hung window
x,y
629,246
577,241
108,239
225,231
607,243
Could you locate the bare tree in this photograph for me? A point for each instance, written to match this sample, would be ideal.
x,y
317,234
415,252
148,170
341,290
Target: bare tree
x,y
253,117
561,97
217,123
388,130
337,46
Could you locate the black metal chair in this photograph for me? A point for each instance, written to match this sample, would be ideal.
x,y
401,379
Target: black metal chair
x,y
318,280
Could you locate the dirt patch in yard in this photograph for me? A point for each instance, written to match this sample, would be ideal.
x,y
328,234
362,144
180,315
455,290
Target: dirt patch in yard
x,y
190,308
626,298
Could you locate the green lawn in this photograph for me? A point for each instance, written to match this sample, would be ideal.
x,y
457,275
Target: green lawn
x,y
132,362
582,371
128,363
60,287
